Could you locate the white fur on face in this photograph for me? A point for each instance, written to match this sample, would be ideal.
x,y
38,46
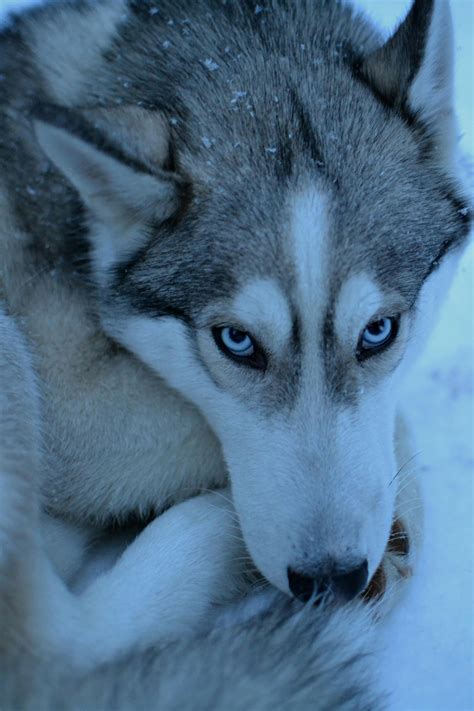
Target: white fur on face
x,y
259,307
163,344
309,239
314,482
359,299
263,303
311,483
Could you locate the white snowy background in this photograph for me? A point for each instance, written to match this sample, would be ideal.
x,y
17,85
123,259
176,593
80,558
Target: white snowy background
x,y
429,641
428,660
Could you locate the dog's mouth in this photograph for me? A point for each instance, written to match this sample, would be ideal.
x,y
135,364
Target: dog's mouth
x,y
394,565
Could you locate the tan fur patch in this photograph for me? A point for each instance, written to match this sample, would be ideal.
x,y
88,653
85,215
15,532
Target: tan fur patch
x,y
377,586
398,542
398,545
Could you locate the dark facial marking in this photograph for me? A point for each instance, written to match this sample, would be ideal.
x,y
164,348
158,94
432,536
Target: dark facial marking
x,y
307,131
339,380
296,331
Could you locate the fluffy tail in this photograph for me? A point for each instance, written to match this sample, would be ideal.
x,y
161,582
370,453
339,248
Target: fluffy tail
x,y
308,659
315,659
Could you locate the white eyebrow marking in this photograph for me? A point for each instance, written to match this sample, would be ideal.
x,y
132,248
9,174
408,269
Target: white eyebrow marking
x,y
310,228
358,301
263,303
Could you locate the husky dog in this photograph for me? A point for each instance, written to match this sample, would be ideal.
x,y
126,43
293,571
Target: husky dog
x,y
225,232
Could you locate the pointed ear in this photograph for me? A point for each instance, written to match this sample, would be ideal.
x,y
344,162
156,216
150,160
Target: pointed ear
x,y
413,72
115,158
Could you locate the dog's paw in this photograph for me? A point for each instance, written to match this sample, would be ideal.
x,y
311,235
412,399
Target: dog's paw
x,y
168,581
209,550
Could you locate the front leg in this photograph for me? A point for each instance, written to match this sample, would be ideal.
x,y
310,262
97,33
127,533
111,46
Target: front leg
x,y
165,584
163,587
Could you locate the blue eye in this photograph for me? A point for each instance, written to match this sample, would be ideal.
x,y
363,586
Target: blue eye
x,y
237,342
239,346
376,336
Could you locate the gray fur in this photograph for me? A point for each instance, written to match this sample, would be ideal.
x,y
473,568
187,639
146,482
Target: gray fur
x,y
283,657
273,663
183,131
221,139
20,456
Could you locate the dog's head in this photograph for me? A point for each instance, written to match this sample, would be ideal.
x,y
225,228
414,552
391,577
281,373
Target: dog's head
x,y
284,281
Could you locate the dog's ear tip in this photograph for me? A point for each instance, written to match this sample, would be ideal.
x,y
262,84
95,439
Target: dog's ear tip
x,y
413,71
107,170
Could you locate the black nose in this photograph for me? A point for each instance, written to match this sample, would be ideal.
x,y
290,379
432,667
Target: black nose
x,y
343,584
302,586
350,583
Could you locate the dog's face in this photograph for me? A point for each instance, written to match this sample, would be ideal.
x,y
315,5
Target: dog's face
x,y
296,362
286,303
300,385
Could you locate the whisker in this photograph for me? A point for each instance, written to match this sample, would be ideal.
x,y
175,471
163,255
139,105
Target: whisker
x,y
412,509
405,484
404,465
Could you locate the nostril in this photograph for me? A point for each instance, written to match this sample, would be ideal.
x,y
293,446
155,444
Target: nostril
x,y
301,585
352,582
343,585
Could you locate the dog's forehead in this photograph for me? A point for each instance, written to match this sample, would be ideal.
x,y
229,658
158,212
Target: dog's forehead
x,y
348,298
388,210
309,245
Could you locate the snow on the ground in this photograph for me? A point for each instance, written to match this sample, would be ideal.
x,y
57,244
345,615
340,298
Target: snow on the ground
x,y
428,662
429,640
